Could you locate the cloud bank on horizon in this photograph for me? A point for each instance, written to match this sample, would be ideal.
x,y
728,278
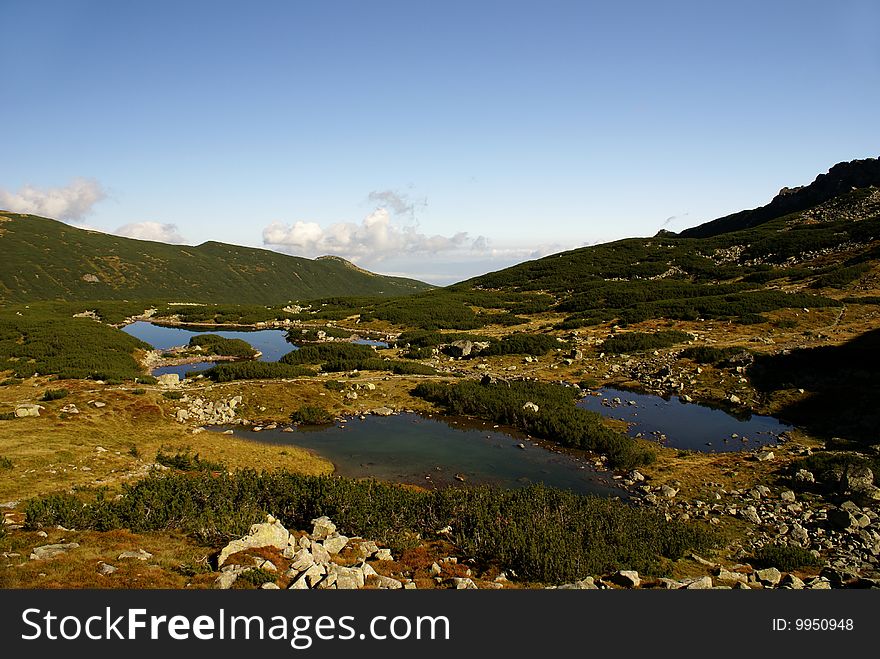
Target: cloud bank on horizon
x,y
389,238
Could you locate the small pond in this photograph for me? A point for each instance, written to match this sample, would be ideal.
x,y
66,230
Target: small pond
x,y
683,425
271,342
431,452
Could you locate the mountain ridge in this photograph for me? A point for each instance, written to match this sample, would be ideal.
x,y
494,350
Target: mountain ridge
x,y
45,259
841,178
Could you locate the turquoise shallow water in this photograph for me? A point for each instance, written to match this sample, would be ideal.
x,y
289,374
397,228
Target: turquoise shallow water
x,y
432,451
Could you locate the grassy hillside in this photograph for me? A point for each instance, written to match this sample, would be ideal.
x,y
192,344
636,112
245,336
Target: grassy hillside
x,y
48,260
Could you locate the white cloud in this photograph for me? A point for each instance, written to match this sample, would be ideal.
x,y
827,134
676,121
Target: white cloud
x,y
155,231
70,203
375,239
399,203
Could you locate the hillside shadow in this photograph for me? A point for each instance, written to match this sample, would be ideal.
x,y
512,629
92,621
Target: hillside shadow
x,y
844,386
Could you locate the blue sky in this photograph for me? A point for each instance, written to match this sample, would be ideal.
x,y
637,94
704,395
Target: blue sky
x,y
433,139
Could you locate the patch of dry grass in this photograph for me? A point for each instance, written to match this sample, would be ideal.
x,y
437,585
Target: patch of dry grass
x,y
106,446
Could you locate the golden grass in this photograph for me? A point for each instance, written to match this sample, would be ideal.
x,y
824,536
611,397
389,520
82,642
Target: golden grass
x,y
59,451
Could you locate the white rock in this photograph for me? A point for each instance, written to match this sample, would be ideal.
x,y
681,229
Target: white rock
x,y
261,535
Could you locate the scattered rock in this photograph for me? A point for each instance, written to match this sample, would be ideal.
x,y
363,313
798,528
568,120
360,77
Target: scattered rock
x,y
335,543
626,578
668,492
701,583
271,533
45,552
139,555
464,583
168,380
769,576
106,569
28,409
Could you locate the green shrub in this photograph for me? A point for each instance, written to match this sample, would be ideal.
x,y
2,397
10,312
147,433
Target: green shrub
x,y
54,394
785,558
334,385
227,372
139,391
709,354
840,277
642,341
317,353
418,353
311,415
5,463
71,348
7,416
255,577
183,461
213,344
541,533
173,395
557,419
10,381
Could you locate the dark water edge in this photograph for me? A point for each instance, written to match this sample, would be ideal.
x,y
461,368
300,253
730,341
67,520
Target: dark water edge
x,y
432,451
679,424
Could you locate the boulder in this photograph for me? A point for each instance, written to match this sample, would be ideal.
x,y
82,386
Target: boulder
x,y
302,560
382,411
384,555
769,576
70,409
320,554
804,477
347,578
766,456
139,555
46,552
322,527
702,583
28,409
386,583
731,577
366,548
168,380
335,543
750,514
271,533
105,569
626,578
530,407
668,492
228,575
463,583
791,582
857,478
